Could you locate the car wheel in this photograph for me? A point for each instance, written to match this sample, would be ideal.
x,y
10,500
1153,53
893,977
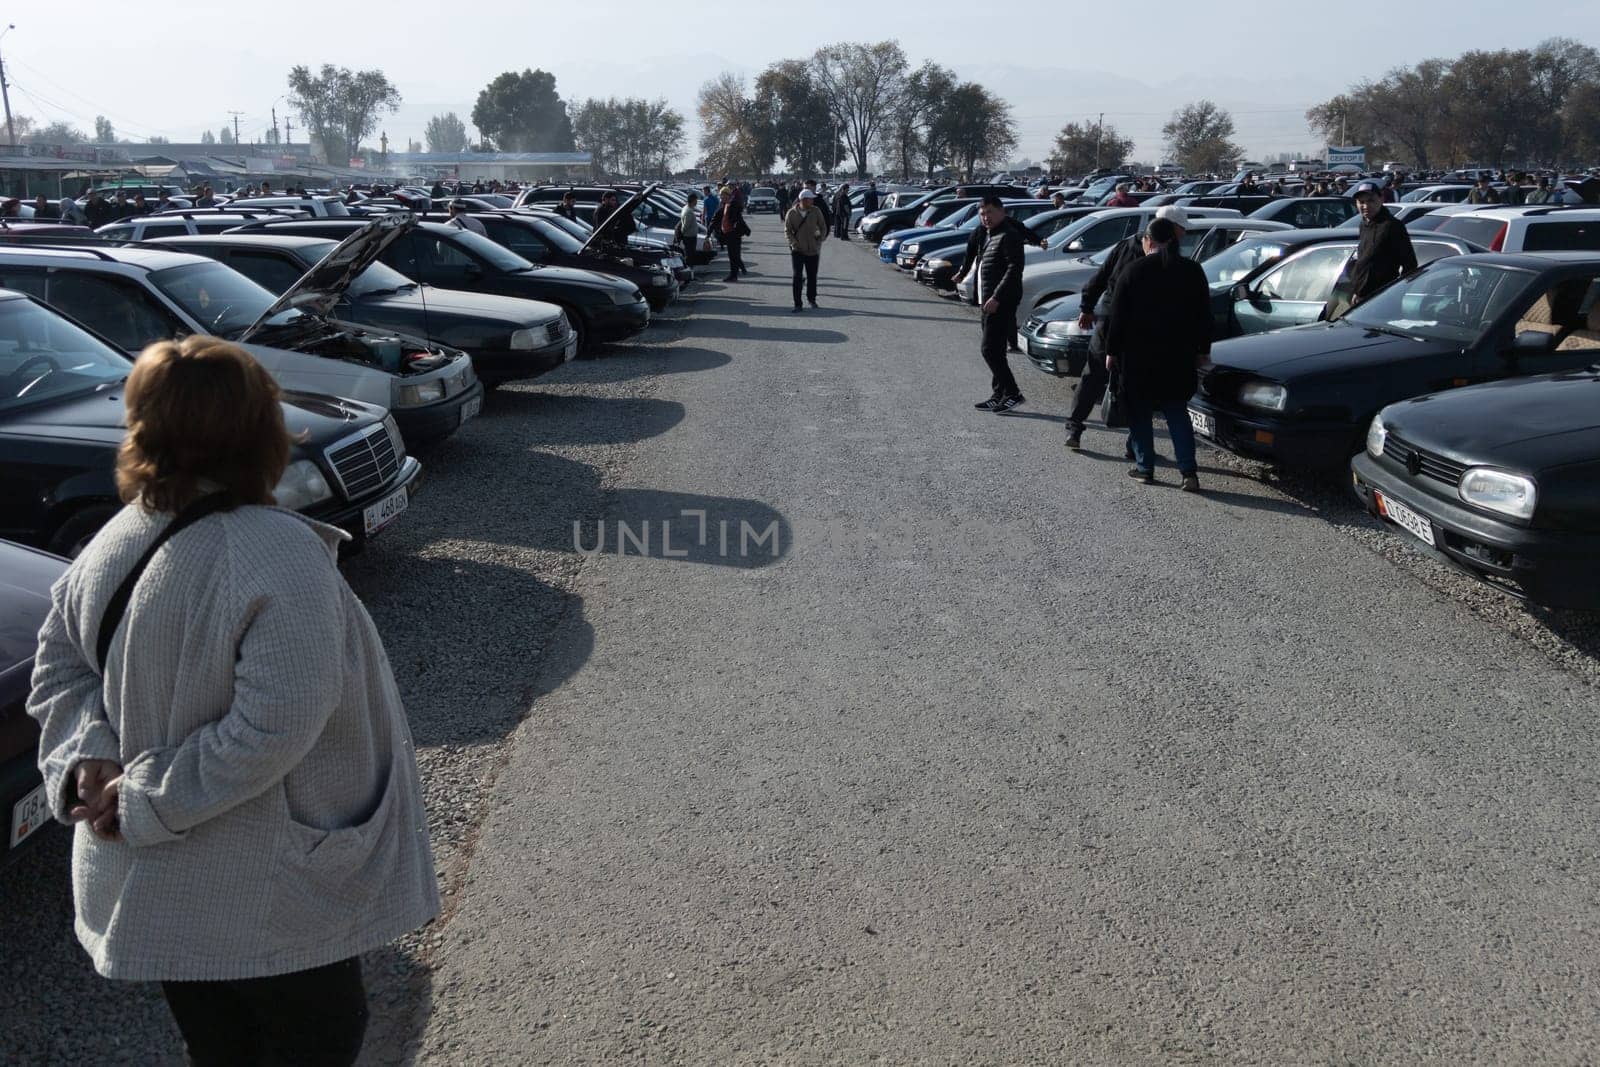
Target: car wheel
x,y
579,327
73,535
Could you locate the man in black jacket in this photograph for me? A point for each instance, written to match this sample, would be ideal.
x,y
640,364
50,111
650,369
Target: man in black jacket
x,y
975,241
997,292
1383,254
1096,299
841,212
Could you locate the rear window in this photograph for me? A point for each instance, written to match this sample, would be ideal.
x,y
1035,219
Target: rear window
x,y
1553,236
1473,228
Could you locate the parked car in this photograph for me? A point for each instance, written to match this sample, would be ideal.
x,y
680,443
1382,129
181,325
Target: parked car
x,y
26,576
961,225
1453,193
61,423
669,256
763,198
885,219
1527,229
1309,212
937,266
1501,480
508,339
135,295
317,207
195,220
600,307
1305,397
1406,214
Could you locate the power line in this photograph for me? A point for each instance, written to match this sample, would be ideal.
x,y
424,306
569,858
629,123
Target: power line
x,y
115,116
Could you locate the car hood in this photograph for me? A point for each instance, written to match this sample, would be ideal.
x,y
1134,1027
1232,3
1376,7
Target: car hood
x,y
321,287
1068,307
25,579
912,234
512,311
576,276
1317,347
627,205
1524,423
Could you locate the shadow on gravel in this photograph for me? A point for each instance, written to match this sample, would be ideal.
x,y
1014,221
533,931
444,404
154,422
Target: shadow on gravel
x,y
555,418
400,1001
624,367
732,330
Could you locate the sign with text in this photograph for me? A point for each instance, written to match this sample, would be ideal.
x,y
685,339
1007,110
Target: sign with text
x,y
1353,155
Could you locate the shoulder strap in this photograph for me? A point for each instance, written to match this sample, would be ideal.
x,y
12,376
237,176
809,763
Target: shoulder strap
x,y
117,606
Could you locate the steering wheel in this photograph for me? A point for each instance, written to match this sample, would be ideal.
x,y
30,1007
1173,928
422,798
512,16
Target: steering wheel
x,y
42,360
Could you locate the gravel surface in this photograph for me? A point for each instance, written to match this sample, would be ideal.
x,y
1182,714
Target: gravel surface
x,y
992,756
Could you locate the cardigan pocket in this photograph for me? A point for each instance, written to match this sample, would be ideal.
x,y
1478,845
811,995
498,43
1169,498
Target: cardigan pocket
x,y
328,880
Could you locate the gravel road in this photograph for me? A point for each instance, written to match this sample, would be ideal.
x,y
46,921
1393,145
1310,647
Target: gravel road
x,y
920,740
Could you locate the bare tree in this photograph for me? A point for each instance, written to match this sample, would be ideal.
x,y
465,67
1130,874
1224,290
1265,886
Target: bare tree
x,y
735,138
1200,138
862,84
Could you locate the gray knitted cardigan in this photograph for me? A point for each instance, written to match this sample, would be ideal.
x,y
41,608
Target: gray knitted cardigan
x,y
271,815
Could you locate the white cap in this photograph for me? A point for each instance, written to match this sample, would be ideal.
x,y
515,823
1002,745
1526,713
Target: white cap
x,y
1174,214
807,194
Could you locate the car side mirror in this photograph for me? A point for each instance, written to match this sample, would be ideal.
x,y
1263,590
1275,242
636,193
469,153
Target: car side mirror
x,y
1076,246
1241,293
1533,342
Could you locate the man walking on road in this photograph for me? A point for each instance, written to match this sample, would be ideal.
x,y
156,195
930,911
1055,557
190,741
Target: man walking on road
x,y
806,230
997,292
1096,299
1383,254
841,212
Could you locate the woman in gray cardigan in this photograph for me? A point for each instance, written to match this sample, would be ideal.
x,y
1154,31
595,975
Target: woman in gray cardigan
x,y
233,750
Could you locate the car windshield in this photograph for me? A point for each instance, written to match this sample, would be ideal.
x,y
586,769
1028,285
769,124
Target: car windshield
x,y
1234,264
1451,300
558,236
43,356
498,256
376,280
220,299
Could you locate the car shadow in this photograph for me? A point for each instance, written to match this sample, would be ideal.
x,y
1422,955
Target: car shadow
x,y
625,366
733,330
566,419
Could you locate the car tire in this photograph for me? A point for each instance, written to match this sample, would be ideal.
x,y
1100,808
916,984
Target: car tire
x,y
579,327
79,529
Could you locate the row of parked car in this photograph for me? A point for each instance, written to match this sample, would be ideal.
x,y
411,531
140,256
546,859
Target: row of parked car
x,y
384,333
1463,401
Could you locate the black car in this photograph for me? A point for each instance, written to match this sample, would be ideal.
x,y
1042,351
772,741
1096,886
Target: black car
x,y
679,260
61,425
876,224
1308,212
600,307
508,339
1304,397
1502,480
26,576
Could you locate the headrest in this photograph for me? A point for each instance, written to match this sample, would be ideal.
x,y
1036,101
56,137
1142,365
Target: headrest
x,y
1594,317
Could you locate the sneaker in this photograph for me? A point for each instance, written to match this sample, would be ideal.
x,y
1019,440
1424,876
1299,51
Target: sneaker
x,y
1075,440
1010,403
796,310
816,305
1147,477
1191,483
731,278
992,404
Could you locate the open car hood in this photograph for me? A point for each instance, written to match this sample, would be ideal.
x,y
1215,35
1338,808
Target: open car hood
x,y
626,206
321,287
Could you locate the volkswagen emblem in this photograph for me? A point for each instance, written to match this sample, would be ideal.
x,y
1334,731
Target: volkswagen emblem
x,y
1414,464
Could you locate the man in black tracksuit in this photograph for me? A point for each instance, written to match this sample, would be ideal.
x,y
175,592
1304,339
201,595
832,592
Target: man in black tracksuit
x,y
975,241
998,292
1383,254
1096,297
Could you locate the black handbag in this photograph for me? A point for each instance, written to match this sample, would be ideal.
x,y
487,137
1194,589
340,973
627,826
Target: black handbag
x,y
1114,413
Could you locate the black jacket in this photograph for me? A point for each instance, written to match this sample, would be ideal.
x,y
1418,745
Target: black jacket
x,y
618,227
1383,254
567,211
869,201
976,239
1104,283
999,267
1160,324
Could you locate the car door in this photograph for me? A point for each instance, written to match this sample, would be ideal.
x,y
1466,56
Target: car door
x,y
117,308
273,271
434,260
1295,291
523,240
1560,311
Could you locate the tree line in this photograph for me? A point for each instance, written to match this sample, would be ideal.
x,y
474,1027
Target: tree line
x,y
851,103
1527,106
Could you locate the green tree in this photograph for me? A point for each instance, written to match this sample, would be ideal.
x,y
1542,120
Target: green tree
x,y
339,106
634,137
55,133
918,127
225,136
1080,149
802,126
207,137
1200,138
862,84
445,133
978,127
104,132
524,113
735,134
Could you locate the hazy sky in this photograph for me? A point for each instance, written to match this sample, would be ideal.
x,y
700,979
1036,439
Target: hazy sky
x,y
185,65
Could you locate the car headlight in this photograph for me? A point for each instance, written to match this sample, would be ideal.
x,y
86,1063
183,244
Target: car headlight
x,y
1509,494
938,264
301,486
660,280
875,217
1060,328
910,249
891,244
1269,396
424,393
623,299
1377,434
525,339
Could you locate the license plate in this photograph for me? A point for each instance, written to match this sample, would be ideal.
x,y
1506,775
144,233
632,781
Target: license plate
x,y
570,353
1404,517
1203,424
29,814
385,511
471,409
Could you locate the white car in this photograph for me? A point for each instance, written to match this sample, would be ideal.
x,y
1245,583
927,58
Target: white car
x,y
1528,228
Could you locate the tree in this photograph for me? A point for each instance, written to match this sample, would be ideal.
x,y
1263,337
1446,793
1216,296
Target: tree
x,y
802,126
338,106
634,137
978,127
207,137
524,113
735,136
1493,116
445,133
104,132
58,133
1199,138
918,125
156,138
862,84
225,136
1080,149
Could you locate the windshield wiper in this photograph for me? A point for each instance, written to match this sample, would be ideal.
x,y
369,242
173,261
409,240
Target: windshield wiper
x,y
1391,331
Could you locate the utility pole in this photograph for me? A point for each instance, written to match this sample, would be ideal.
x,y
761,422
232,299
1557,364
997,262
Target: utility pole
x,y
5,93
1099,130
288,131
236,115
274,124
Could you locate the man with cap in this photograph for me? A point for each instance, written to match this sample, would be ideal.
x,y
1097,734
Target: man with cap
x,y
1095,302
1483,192
568,208
461,220
1383,254
806,229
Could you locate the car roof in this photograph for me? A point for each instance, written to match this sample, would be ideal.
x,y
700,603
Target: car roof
x,y
1507,212
141,256
1537,261
274,240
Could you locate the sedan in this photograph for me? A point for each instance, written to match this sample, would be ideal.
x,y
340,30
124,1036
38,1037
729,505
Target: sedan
x,y
1305,397
26,576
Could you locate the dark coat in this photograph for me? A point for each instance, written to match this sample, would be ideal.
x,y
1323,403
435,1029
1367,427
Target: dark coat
x,y
1000,268
1160,324
618,227
1102,288
1383,254
869,201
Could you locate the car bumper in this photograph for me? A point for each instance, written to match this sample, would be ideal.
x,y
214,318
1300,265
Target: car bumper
x,y
618,321
351,516
942,278
1314,445
1063,357
19,776
1558,569
431,422
660,297
497,365
905,262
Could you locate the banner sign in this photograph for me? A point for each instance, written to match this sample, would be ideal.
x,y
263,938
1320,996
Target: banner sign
x,y
1354,155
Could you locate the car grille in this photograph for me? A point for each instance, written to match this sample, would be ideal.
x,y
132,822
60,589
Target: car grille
x,y
1034,325
557,330
1421,461
363,462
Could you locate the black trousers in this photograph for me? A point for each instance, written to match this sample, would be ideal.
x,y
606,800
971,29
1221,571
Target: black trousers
x,y
1092,386
735,247
316,1017
997,331
841,225
807,266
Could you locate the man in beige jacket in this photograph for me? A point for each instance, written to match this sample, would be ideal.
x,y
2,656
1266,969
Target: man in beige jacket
x,y
806,229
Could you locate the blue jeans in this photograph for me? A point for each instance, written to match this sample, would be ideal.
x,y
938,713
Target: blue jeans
x,y
1141,435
